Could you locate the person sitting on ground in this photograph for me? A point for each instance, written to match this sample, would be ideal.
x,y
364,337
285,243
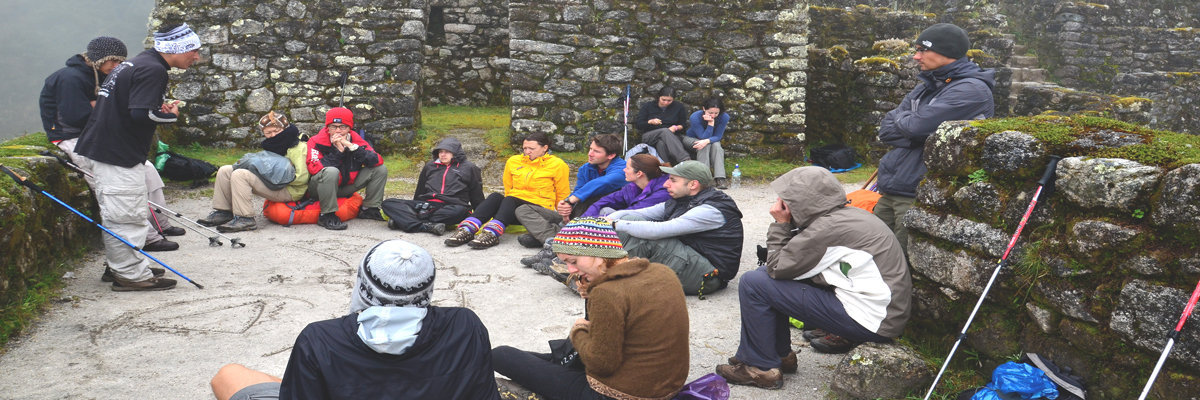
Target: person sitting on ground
x,y
534,177
66,103
278,173
633,341
600,176
340,163
698,232
834,267
706,127
661,122
393,345
448,188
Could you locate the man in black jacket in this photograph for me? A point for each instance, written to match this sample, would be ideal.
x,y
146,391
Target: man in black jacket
x,y
392,345
661,122
448,188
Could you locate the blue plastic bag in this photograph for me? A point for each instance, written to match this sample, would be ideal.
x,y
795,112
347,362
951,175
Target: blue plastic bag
x,y
708,387
1023,380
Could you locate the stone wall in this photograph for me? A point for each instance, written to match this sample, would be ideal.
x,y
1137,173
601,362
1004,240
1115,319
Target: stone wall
x,y
289,56
466,53
1101,271
572,59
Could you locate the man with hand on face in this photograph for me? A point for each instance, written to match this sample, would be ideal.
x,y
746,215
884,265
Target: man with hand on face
x,y
604,173
661,123
341,163
698,232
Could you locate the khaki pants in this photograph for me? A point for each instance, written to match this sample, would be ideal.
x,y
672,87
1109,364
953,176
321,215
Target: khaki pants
x,y
324,185
121,193
154,187
891,209
235,190
689,265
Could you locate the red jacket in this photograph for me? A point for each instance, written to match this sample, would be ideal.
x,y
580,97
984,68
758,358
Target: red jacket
x,y
322,153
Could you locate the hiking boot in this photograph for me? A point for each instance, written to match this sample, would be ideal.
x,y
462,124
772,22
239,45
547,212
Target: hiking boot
x,y
542,255
371,213
722,183
483,240
173,231
217,217
511,390
161,245
788,363
109,276
461,236
152,284
529,241
437,229
832,344
812,334
553,267
331,222
239,224
743,374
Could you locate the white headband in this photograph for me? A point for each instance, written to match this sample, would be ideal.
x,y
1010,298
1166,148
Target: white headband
x,y
179,40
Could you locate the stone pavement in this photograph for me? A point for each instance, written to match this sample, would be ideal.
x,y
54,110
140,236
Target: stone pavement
x,y
98,344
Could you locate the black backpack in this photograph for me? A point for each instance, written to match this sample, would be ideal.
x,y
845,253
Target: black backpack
x,y
183,168
834,156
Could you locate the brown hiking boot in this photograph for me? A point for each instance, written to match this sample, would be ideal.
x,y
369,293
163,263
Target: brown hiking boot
x,y
743,374
788,364
217,217
152,284
483,240
811,334
461,236
832,344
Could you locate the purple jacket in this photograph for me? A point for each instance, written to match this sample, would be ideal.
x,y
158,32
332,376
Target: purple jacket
x,y
631,197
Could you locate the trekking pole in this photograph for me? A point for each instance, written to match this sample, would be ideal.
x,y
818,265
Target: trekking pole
x,y
626,124
1187,312
34,187
1047,183
160,209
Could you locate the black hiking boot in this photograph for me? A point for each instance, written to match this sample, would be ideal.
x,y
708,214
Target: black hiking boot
x,y
437,229
529,241
109,276
371,213
331,222
173,231
161,245
217,217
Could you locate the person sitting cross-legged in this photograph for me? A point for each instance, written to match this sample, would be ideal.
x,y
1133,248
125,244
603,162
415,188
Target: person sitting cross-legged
x,y
603,174
342,163
698,232
393,345
835,267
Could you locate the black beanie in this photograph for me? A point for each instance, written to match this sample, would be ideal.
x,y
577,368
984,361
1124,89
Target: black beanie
x,y
104,48
946,39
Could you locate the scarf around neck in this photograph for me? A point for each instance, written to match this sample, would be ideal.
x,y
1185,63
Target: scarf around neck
x,y
279,144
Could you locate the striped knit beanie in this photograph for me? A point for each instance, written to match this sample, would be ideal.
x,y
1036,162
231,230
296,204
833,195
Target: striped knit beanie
x,y
393,273
589,236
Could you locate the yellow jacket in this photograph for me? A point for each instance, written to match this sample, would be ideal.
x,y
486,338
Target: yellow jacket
x,y
544,181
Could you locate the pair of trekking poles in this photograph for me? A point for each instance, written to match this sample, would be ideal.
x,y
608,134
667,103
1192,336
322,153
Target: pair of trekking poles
x,y
1046,187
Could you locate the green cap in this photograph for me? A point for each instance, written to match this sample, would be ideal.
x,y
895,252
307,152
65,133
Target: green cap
x,y
693,170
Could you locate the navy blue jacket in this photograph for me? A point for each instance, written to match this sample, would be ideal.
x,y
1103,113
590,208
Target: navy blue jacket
x,y
960,90
65,102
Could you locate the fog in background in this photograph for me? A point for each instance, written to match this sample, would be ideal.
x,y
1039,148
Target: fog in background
x,y
38,36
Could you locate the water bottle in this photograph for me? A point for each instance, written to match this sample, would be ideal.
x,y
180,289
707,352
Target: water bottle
x,y
736,177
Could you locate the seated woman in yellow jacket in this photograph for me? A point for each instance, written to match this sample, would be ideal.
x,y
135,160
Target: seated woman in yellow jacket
x,y
534,177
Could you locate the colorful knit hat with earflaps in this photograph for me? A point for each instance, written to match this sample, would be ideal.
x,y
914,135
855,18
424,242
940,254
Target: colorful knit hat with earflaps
x,y
589,236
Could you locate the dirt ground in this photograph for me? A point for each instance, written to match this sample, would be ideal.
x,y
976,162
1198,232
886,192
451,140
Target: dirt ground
x,y
98,344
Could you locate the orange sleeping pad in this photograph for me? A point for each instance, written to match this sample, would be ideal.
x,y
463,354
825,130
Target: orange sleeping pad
x,y
307,211
865,198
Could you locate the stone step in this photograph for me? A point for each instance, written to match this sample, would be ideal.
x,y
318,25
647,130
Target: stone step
x,y
1023,61
1019,49
1030,75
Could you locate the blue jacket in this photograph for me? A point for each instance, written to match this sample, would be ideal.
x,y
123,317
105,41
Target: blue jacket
x,y
699,129
632,197
589,182
960,90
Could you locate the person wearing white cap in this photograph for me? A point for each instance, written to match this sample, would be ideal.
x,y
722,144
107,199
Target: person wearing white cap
x,y
394,344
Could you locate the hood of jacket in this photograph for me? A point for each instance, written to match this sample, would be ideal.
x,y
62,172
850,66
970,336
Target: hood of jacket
x,y
809,192
452,145
77,61
390,329
959,69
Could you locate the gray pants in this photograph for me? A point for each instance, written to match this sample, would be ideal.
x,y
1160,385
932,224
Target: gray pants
x,y
154,187
541,222
325,185
669,145
121,193
712,155
688,264
891,209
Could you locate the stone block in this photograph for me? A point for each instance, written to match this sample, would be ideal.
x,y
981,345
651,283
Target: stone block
x,y
956,269
246,27
564,87
577,14
1146,312
1042,317
618,75
413,29
295,9
234,62
357,35
953,149
977,236
525,97
980,200
1067,299
880,371
523,126
1178,204
1090,237
1106,182
186,90
534,46
934,193
1010,151
260,100
212,121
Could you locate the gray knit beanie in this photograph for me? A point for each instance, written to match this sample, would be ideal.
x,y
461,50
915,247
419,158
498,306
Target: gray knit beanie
x,y
393,273
105,48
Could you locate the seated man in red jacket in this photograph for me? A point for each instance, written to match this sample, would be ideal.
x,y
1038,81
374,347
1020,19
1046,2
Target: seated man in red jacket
x,y
392,345
341,163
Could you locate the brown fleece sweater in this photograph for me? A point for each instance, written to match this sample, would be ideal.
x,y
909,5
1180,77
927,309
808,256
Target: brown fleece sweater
x,y
636,345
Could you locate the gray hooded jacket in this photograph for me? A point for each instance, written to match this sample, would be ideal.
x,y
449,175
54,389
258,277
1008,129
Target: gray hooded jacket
x,y
845,248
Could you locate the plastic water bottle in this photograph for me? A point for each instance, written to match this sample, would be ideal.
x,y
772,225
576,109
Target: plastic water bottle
x,y
735,180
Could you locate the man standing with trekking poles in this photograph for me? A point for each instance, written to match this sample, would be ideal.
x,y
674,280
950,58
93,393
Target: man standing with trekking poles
x,y
129,107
